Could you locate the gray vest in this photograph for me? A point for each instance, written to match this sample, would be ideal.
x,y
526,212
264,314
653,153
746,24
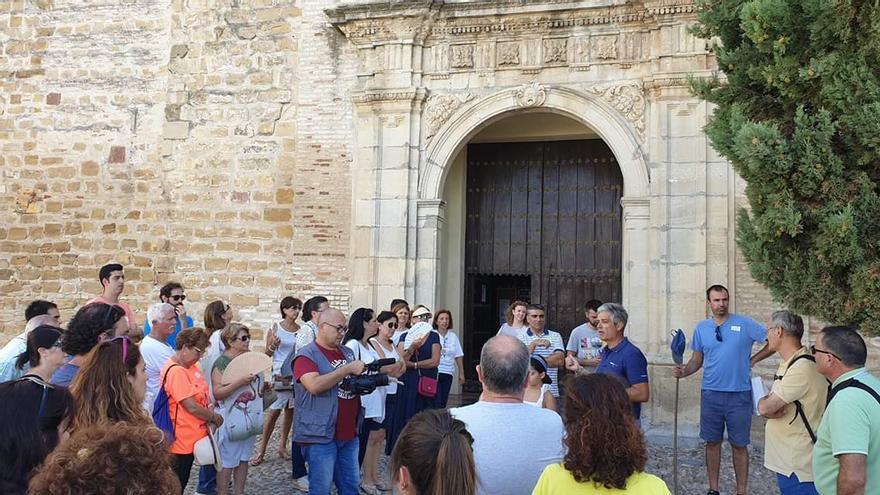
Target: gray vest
x,y
315,418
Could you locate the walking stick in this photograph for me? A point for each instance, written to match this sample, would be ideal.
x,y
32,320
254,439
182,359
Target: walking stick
x,y
677,346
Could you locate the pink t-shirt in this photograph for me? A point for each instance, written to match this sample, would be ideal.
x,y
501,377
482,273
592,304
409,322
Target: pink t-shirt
x,y
129,314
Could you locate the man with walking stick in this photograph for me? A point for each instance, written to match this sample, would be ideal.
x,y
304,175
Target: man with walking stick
x,y
677,346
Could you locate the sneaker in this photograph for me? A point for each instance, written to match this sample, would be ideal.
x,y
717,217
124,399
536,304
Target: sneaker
x,y
301,484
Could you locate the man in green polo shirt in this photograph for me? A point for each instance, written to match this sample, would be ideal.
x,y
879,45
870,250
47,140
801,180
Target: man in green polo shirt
x,y
846,458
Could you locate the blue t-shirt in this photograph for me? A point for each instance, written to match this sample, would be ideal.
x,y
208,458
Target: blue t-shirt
x,y
64,375
726,363
628,362
172,339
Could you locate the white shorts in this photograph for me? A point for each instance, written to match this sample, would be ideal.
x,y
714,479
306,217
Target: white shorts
x,y
234,453
283,400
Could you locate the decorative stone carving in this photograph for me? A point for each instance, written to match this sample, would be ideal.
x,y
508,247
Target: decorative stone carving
x,y
628,99
438,109
605,48
555,50
508,53
462,56
531,95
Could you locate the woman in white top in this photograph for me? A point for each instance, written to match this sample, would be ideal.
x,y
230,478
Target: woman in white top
x,y
402,313
384,346
280,343
451,355
538,385
516,319
363,326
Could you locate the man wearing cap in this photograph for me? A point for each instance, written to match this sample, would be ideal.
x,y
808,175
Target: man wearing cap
x,y
620,357
326,420
545,343
513,441
172,293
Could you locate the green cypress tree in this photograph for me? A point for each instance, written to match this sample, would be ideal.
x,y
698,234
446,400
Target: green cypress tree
x,y
798,115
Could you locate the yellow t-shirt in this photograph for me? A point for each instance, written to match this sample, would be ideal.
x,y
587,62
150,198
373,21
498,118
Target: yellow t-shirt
x,y
556,480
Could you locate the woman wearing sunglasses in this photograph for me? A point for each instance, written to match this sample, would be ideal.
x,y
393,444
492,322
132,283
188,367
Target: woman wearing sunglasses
x,y
383,343
188,401
33,413
110,386
241,395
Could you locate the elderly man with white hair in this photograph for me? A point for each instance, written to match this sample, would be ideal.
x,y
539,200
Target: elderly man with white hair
x,y
10,352
154,348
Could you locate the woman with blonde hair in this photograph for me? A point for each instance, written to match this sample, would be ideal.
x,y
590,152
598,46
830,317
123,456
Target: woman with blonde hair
x,y
110,386
516,319
434,456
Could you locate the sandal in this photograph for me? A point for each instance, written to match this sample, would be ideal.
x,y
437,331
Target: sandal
x,y
256,460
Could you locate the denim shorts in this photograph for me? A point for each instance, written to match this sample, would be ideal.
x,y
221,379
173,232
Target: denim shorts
x,y
730,409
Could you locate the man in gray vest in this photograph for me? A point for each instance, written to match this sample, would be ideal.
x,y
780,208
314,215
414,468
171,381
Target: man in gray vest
x,y
326,416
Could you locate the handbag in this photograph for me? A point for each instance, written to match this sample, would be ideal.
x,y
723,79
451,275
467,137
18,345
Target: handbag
x,y
243,417
427,385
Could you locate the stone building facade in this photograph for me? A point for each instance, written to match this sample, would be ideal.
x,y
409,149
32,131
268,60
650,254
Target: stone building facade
x,y
256,149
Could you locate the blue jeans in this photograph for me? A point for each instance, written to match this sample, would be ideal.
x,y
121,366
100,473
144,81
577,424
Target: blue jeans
x,y
297,460
336,463
207,480
791,485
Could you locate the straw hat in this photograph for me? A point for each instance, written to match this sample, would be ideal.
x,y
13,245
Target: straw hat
x,y
207,452
244,365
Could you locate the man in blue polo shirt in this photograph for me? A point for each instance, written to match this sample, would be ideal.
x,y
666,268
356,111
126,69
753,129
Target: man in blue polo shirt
x,y
619,357
723,344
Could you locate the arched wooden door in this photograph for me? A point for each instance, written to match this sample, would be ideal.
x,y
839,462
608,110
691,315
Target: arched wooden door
x,y
543,223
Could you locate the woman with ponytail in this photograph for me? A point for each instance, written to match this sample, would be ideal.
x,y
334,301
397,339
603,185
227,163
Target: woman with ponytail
x,y
606,448
434,456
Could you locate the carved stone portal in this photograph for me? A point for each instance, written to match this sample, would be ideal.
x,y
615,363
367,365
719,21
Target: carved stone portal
x,y
438,109
628,99
462,56
508,54
555,51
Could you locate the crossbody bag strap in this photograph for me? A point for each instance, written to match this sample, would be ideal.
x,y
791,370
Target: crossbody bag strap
x,y
798,406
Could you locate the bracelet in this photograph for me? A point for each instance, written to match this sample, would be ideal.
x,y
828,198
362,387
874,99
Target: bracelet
x,y
417,364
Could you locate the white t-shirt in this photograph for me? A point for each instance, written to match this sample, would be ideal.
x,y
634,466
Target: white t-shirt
x,y
374,402
510,331
513,443
391,388
155,355
450,348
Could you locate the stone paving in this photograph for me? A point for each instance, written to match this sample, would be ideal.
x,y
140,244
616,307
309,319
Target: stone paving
x,y
273,475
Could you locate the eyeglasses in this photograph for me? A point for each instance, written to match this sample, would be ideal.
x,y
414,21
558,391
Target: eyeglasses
x,y
200,351
227,308
339,328
243,338
718,334
125,342
179,297
821,351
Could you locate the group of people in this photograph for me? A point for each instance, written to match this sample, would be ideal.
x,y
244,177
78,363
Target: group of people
x,y
79,405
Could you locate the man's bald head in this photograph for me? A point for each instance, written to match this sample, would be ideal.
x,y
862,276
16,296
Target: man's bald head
x,y
331,327
504,365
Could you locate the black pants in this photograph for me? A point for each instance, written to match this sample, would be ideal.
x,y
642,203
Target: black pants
x,y
182,465
443,389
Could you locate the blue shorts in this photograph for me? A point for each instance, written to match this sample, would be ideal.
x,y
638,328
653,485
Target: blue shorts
x,y
730,409
791,485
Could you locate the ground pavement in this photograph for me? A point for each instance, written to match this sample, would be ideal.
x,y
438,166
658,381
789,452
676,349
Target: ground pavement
x,y
273,475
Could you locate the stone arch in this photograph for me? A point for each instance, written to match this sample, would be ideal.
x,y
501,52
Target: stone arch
x,y
590,110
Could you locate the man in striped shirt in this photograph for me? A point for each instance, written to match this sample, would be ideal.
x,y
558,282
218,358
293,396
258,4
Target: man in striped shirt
x,y
543,342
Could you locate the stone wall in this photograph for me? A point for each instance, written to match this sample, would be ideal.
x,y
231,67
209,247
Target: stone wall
x,y
200,141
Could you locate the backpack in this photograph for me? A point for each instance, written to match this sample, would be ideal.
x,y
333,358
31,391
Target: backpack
x,y
852,382
799,408
243,416
162,412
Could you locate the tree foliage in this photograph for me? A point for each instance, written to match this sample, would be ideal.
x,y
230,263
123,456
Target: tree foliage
x,y
798,116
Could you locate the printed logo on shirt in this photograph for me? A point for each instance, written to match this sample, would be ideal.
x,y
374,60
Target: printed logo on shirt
x,y
337,363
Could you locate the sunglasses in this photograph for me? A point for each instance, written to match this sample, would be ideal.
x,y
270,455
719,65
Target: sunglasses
x,y
392,325
820,351
181,297
126,341
243,338
718,334
227,308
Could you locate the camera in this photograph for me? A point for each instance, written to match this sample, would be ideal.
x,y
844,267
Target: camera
x,y
367,382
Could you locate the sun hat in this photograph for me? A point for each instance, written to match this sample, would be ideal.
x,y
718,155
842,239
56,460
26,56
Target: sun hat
x,y
206,451
541,365
245,364
421,312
